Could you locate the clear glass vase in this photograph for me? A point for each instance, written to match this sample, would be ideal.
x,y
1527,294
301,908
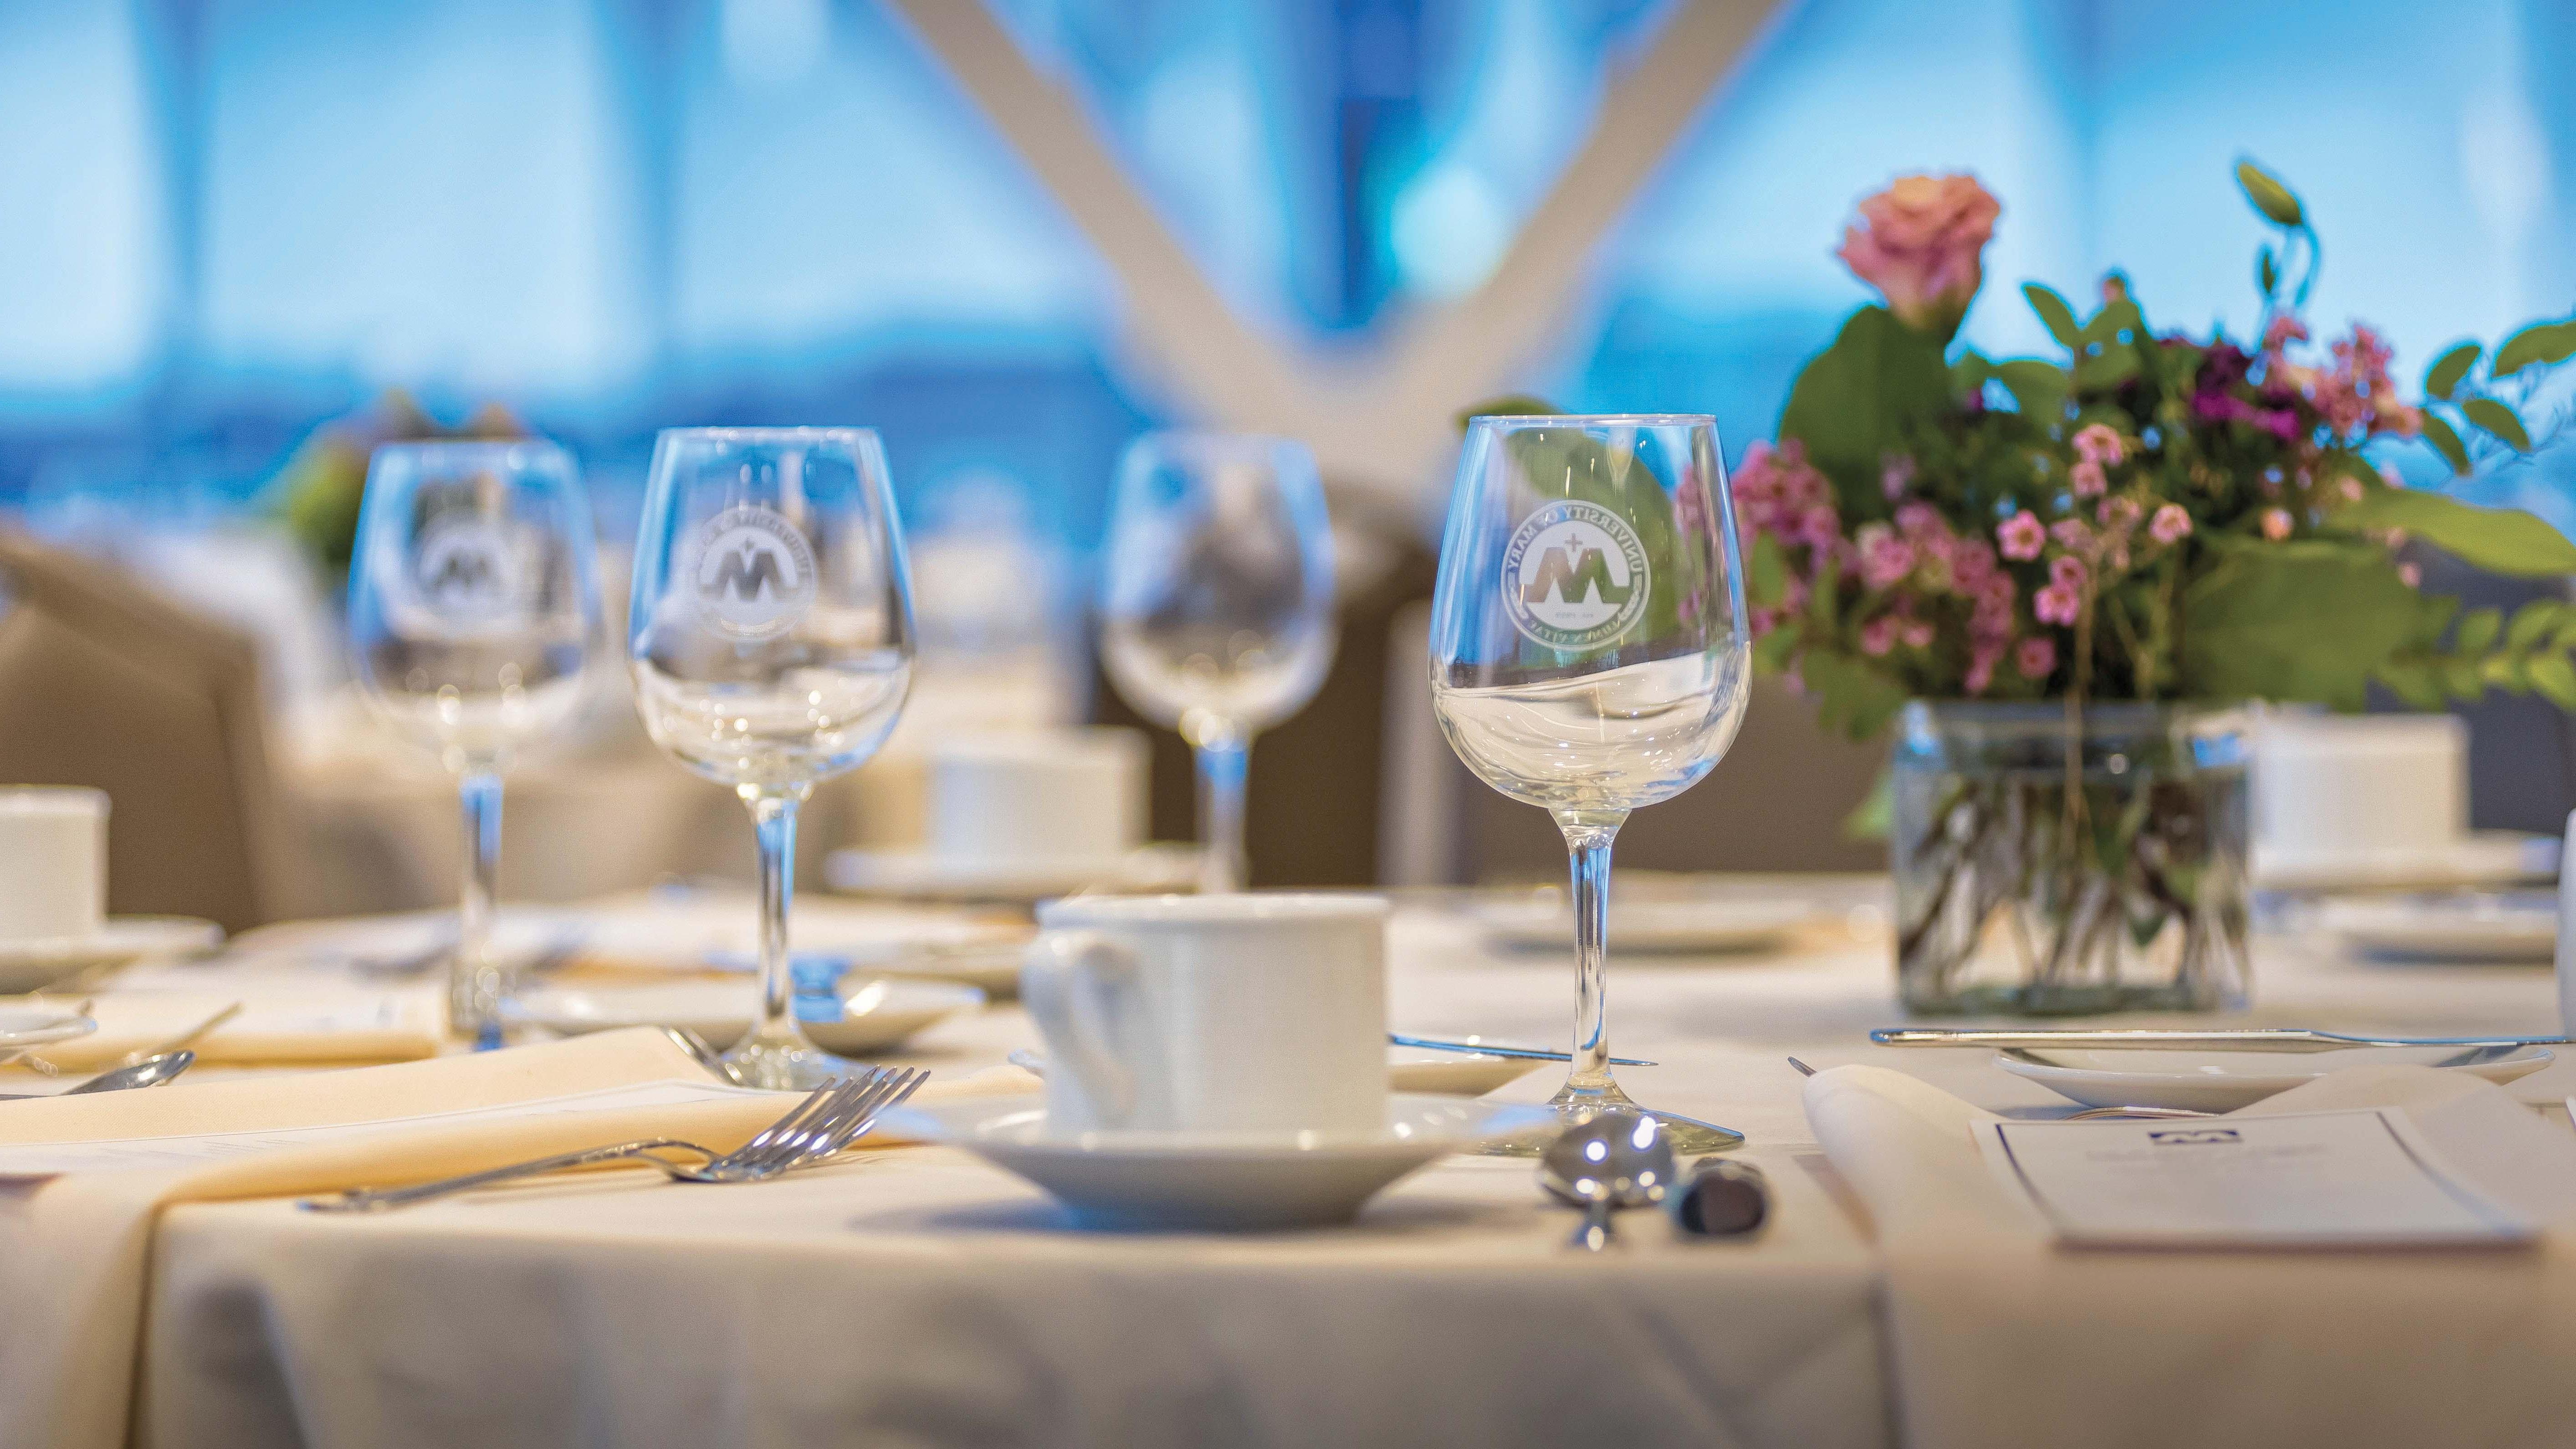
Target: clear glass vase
x,y
2035,881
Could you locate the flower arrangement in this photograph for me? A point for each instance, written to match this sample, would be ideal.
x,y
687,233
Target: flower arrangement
x,y
2151,516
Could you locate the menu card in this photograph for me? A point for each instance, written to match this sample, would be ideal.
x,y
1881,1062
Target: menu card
x,y
2346,1179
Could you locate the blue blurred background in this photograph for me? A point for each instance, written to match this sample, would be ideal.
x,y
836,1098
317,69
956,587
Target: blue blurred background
x,y
228,222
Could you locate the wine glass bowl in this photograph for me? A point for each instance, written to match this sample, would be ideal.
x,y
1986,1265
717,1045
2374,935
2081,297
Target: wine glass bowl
x,y
1217,604
771,641
1589,654
473,616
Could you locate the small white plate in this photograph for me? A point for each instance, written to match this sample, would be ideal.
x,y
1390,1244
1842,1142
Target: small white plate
x,y
1213,1180
1651,927
2463,928
2223,1081
24,1028
1410,1069
875,1015
34,965
920,875
2480,858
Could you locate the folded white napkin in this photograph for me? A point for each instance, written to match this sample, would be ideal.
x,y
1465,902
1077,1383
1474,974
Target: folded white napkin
x,y
1999,1337
73,1250
310,1025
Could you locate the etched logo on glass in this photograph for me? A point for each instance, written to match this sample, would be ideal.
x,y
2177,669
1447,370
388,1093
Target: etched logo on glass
x,y
1575,576
469,571
752,574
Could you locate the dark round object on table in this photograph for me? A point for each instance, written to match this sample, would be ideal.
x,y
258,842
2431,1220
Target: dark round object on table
x,y
1721,1199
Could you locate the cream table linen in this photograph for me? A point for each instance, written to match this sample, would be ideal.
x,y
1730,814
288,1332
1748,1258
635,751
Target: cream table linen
x,y
1998,1337
346,1026
922,1297
73,1249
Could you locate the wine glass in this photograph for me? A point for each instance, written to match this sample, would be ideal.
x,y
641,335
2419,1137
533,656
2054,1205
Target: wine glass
x,y
771,640
1217,605
473,606
1589,654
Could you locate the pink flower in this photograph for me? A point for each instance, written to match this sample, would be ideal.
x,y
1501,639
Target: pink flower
x,y
1919,243
2036,658
2276,524
2282,331
1918,520
1917,633
2071,533
2100,443
2170,525
2066,572
2057,604
1981,667
1884,558
1878,636
2118,514
2088,480
2021,536
2411,575
1892,478
2351,490
1820,526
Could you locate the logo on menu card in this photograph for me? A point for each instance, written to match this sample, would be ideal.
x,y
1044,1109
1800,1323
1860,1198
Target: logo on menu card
x,y
2194,1136
752,573
1574,576
469,570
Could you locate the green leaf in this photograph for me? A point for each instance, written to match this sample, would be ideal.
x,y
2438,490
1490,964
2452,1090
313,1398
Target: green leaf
x,y
1856,401
2116,365
2542,342
2505,671
2303,620
2555,678
2465,680
1856,697
2499,540
2267,272
2039,388
2053,312
2446,442
2413,681
1968,375
2478,630
2500,420
1874,818
2530,623
1768,579
2443,377
2269,196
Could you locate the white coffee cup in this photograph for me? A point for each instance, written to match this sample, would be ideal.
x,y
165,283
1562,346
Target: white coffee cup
x,y
1215,1013
53,862
1037,794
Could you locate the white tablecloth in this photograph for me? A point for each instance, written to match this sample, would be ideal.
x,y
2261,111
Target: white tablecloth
x,y
924,1298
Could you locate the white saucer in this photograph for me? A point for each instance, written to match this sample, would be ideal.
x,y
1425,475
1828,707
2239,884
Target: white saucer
x,y
2480,858
875,1015
2223,1081
1410,1069
23,1028
1650,927
923,876
1213,1180
34,965
2462,928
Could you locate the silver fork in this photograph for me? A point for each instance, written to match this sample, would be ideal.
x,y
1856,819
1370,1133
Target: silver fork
x,y
827,1120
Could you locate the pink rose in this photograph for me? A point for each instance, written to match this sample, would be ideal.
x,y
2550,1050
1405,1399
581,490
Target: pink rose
x,y
1919,243
2021,536
2170,525
2035,658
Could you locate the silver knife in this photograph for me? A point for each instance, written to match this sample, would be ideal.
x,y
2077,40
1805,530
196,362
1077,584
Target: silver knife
x,y
1478,1045
2247,1038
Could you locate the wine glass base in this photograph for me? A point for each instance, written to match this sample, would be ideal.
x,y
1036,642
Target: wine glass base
x,y
1689,1136
783,1066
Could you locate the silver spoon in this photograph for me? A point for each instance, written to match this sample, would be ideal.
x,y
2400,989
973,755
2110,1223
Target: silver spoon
x,y
706,1056
1619,1158
152,1071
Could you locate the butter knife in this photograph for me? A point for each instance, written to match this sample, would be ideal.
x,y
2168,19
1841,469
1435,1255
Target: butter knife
x,y
2244,1039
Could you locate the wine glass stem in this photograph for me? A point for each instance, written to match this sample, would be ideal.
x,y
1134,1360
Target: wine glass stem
x,y
475,983
1588,835
773,821
1223,758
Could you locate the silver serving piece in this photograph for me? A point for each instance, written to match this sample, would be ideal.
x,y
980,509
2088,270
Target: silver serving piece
x,y
152,1071
2245,1039
1617,1158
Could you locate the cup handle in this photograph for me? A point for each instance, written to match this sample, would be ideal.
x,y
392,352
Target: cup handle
x,y
1070,984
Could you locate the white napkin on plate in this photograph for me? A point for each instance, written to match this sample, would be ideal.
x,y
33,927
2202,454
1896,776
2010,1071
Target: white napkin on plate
x,y
1999,1337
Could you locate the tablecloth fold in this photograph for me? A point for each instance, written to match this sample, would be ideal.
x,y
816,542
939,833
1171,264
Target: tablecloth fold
x,y
74,1250
1997,1336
